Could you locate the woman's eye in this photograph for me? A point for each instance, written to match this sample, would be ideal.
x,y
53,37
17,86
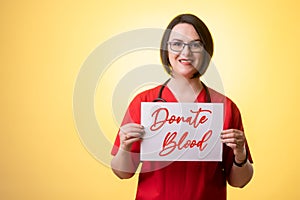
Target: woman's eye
x,y
195,45
177,44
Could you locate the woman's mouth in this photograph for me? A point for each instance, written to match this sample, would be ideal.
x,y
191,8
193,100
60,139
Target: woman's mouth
x,y
185,61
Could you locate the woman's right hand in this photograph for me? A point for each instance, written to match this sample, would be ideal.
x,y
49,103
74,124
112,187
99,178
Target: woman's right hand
x,y
130,133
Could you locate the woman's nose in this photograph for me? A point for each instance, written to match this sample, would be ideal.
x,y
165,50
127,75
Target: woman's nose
x,y
186,50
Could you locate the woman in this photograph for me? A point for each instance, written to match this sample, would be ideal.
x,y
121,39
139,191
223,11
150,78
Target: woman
x,y
186,50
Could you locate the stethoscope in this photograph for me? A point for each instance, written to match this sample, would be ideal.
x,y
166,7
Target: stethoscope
x,y
160,99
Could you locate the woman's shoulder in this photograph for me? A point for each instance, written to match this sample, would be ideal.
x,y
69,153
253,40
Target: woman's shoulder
x,y
218,97
148,94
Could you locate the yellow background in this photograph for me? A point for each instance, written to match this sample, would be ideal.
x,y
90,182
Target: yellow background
x,y
44,43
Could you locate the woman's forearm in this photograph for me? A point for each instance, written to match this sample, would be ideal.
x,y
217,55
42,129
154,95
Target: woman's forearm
x,y
123,164
240,176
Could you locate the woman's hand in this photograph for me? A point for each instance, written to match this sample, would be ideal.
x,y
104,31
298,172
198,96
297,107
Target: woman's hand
x,y
235,139
125,163
130,133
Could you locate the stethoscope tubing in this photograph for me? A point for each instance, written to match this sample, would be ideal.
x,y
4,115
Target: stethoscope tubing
x,y
160,99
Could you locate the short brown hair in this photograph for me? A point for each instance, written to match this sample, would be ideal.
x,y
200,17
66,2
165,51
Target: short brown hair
x,y
203,33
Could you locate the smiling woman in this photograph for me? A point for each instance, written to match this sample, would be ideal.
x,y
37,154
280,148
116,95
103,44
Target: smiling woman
x,y
186,50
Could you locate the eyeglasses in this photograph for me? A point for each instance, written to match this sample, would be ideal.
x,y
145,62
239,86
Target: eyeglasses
x,y
178,46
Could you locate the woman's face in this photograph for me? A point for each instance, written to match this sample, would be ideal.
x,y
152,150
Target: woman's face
x,y
187,61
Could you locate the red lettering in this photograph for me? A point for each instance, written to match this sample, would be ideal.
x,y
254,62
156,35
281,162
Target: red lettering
x,y
202,120
205,138
181,140
169,144
159,124
193,143
172,119
161,116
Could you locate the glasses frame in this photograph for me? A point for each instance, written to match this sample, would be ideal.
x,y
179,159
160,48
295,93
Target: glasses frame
x,y
186,44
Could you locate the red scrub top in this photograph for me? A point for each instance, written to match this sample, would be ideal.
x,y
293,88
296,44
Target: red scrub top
x,y
183,179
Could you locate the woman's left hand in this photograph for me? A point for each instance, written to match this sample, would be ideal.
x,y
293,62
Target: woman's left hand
x,y
236,140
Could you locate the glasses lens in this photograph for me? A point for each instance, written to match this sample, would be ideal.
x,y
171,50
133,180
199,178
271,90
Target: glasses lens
x,y
196,46
176,46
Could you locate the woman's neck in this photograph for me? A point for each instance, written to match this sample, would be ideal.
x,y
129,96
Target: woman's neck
x,y
185,90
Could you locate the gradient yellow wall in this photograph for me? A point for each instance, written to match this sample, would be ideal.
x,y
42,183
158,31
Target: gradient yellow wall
x,y
44,43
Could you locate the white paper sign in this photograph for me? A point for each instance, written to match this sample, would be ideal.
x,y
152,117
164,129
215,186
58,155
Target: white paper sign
x,y
181,131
